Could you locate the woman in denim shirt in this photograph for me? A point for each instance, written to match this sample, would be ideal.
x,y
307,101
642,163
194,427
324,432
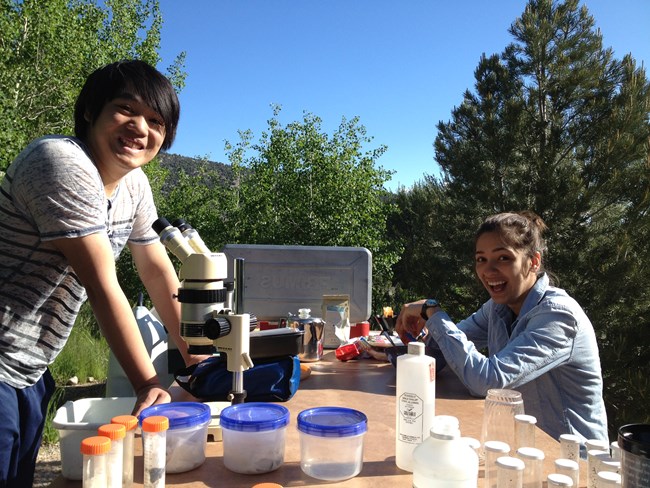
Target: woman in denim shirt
x,y
539,339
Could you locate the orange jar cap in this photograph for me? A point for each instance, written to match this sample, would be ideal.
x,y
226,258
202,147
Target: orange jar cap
x,y
129,422
113,431
155,423
95,445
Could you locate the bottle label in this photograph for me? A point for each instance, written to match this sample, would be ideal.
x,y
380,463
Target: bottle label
x,y
432,372
411,408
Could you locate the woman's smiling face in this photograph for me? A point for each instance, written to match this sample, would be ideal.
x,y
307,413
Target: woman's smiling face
x,y
507,273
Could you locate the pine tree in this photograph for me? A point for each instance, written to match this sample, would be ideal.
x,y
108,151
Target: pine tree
x,y
559,126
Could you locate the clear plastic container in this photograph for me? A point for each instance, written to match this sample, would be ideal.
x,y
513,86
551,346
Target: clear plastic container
x,y
154,439
445,459
187,437
510,472
493,450
130,423
331,442
115,460
533,458
594,459
570,447
94,452
524,431
253,437
569,468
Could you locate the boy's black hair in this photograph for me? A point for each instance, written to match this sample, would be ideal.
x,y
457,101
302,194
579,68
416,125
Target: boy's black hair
x,y
133,77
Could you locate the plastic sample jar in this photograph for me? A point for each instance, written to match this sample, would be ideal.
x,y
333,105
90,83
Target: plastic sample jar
x,y
533,459
331,442
493,450
154,439
524,431
115,460
569,468
570,447
95,453
510,472
187,437
253,436
130,422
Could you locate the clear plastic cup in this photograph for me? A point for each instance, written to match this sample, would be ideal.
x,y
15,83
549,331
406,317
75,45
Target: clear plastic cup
x,y
253,436
331,442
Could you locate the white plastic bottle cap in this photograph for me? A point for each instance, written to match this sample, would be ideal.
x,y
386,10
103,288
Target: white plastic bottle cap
x,y
567,464
608,478
445,427
510,463
600,444
525,419
530,453
416,348
496,446
555,479
570,438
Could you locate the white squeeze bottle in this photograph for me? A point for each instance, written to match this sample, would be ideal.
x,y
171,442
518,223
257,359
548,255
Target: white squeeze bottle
x,y
415,399
444,460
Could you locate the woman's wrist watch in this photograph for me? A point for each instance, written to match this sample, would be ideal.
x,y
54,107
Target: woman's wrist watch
x,y
428,303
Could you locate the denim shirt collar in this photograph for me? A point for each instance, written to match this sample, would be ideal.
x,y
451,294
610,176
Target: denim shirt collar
x,y
534,296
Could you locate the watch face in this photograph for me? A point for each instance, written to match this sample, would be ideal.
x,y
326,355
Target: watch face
x,y
431,302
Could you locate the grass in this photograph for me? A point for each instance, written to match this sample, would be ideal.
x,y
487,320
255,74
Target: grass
x,y
85,356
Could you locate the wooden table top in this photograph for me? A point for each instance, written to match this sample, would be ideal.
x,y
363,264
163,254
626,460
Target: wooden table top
x,y
366,385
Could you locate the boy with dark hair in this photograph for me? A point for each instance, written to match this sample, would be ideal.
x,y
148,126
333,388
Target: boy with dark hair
x,y
68,206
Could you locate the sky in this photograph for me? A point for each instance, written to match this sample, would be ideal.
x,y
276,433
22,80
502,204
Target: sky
x,y
400,66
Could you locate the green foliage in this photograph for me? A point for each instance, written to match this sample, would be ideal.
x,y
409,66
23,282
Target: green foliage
x,y
85,354
49,47
555,124
304,187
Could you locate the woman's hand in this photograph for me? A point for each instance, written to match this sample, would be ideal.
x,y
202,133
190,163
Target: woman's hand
x,y
409,322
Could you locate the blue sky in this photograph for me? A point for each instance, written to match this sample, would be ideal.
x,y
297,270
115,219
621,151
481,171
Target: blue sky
x,y
401,66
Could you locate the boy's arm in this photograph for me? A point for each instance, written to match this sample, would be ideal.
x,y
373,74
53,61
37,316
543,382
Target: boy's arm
x,y
92,259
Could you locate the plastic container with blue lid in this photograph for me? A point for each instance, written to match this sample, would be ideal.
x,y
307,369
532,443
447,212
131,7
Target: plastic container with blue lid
x,y
331,442
187,436
253,437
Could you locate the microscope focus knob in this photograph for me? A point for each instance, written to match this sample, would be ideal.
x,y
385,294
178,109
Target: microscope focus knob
x,y
216,327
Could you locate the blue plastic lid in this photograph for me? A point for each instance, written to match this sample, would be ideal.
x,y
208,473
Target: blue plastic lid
x,y
254,417
332,422
181,415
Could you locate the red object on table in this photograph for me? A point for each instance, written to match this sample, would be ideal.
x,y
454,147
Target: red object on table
x,y
360,329
347,352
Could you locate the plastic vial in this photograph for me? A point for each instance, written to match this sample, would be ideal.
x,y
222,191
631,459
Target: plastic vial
x,y
597,444
524,430
594,458
493,450
533,459
569,468
445,459
607,479
95,453
510,472
115,460
570,447
554,480
416,397
154,446
130,423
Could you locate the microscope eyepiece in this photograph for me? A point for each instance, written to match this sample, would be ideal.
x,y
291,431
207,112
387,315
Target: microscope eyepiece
x,y
160,224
